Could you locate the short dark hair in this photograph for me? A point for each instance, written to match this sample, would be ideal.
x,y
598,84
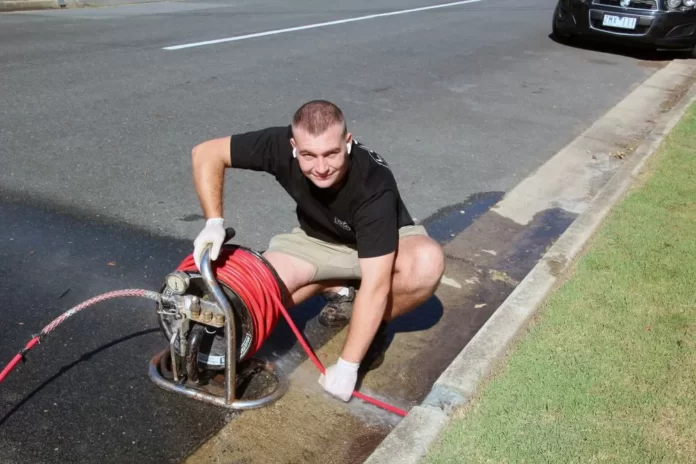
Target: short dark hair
x,y
318,115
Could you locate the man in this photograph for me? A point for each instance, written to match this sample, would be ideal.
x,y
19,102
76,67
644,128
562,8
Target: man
x,y
354,227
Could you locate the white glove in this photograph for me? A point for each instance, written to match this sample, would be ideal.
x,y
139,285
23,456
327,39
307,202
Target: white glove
x,y
213,233
340,379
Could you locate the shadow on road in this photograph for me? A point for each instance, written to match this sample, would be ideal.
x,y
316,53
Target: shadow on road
x,y
84,358
283,343
638,53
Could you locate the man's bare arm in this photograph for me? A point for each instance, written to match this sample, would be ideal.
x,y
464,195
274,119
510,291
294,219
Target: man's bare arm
x,y
369,306
209,160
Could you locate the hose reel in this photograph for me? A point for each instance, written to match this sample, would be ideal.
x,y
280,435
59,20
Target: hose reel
x,y
198,313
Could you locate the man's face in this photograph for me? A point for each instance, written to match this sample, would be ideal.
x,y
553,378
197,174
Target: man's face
x,y
323,159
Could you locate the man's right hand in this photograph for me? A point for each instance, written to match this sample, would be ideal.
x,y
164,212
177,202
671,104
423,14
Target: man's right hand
x,y
212,234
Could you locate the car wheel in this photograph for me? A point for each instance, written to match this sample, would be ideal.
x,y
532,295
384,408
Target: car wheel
x,y
563,37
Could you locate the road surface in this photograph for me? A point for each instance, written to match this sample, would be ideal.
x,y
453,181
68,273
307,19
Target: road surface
x,y
101,107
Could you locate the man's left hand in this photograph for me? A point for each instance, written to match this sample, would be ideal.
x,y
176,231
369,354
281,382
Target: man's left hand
x,y
340,379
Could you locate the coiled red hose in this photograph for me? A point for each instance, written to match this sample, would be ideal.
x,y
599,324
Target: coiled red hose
x,y
253,282
258,288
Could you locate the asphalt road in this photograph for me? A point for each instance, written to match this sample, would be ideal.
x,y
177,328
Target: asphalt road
x,y
98,118
96,125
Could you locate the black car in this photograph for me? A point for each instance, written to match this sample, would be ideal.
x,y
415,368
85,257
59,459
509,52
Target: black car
x,y
658,24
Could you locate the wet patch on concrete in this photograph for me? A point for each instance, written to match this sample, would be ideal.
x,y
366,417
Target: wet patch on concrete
x,y
532,242
447,222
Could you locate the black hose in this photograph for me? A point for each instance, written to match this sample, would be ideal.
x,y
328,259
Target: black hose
x,y
195,339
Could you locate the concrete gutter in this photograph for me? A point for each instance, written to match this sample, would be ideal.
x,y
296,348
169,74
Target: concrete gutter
x,y
411,439
25,5
7,6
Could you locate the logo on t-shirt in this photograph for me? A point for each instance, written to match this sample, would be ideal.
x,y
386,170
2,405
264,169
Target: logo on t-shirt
x,y
378,159
343,224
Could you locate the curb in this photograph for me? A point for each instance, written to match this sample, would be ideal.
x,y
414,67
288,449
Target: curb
x,y
25,5
8,6
411,439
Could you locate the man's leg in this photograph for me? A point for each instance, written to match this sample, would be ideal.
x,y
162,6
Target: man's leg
x,y
339,305
309,267
317,288
418,268
294,272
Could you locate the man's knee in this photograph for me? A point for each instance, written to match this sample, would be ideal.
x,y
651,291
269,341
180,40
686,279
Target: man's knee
x,y
426,263
431,262
295,273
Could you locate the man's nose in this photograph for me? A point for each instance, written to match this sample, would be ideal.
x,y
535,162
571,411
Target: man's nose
x,y
322,165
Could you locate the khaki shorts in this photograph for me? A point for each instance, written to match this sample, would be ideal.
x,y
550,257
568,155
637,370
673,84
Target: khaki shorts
x,y
332,261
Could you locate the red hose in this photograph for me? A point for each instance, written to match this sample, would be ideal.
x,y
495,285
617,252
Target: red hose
x,y
71,312
258,288
18,357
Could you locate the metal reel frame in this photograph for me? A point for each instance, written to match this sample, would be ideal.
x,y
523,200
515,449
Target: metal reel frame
x,y
228,399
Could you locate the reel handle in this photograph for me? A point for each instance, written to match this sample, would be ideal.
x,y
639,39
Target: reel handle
x,y
221,299
205,256
229,234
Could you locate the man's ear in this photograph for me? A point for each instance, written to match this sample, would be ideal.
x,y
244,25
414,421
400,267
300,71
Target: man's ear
x,y
294,147
349,142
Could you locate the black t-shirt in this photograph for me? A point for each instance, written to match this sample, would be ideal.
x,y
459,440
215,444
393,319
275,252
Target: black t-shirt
x,y
366,212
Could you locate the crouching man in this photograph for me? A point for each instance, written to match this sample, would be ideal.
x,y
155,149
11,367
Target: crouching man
x,y
354,229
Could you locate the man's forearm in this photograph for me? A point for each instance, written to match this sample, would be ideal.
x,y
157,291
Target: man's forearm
x,y
208,178
368,309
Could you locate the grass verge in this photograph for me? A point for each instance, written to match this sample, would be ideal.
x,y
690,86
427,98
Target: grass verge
x,y
607,372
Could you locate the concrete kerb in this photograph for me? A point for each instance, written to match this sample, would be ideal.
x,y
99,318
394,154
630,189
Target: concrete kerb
x,y
9,6
26,5
411,439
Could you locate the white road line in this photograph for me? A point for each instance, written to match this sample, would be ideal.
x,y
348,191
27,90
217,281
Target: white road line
x,y
312,26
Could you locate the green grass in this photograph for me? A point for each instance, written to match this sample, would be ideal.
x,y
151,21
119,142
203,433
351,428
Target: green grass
x,y
607,372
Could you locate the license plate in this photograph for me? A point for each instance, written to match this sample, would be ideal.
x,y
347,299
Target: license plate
x,y
623,22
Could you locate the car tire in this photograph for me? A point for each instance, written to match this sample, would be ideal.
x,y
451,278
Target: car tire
x,y
562,37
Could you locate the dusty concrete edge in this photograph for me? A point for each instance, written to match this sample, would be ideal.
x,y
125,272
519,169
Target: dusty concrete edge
x,y
462,378
18,6
410,440
8,6
660,91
